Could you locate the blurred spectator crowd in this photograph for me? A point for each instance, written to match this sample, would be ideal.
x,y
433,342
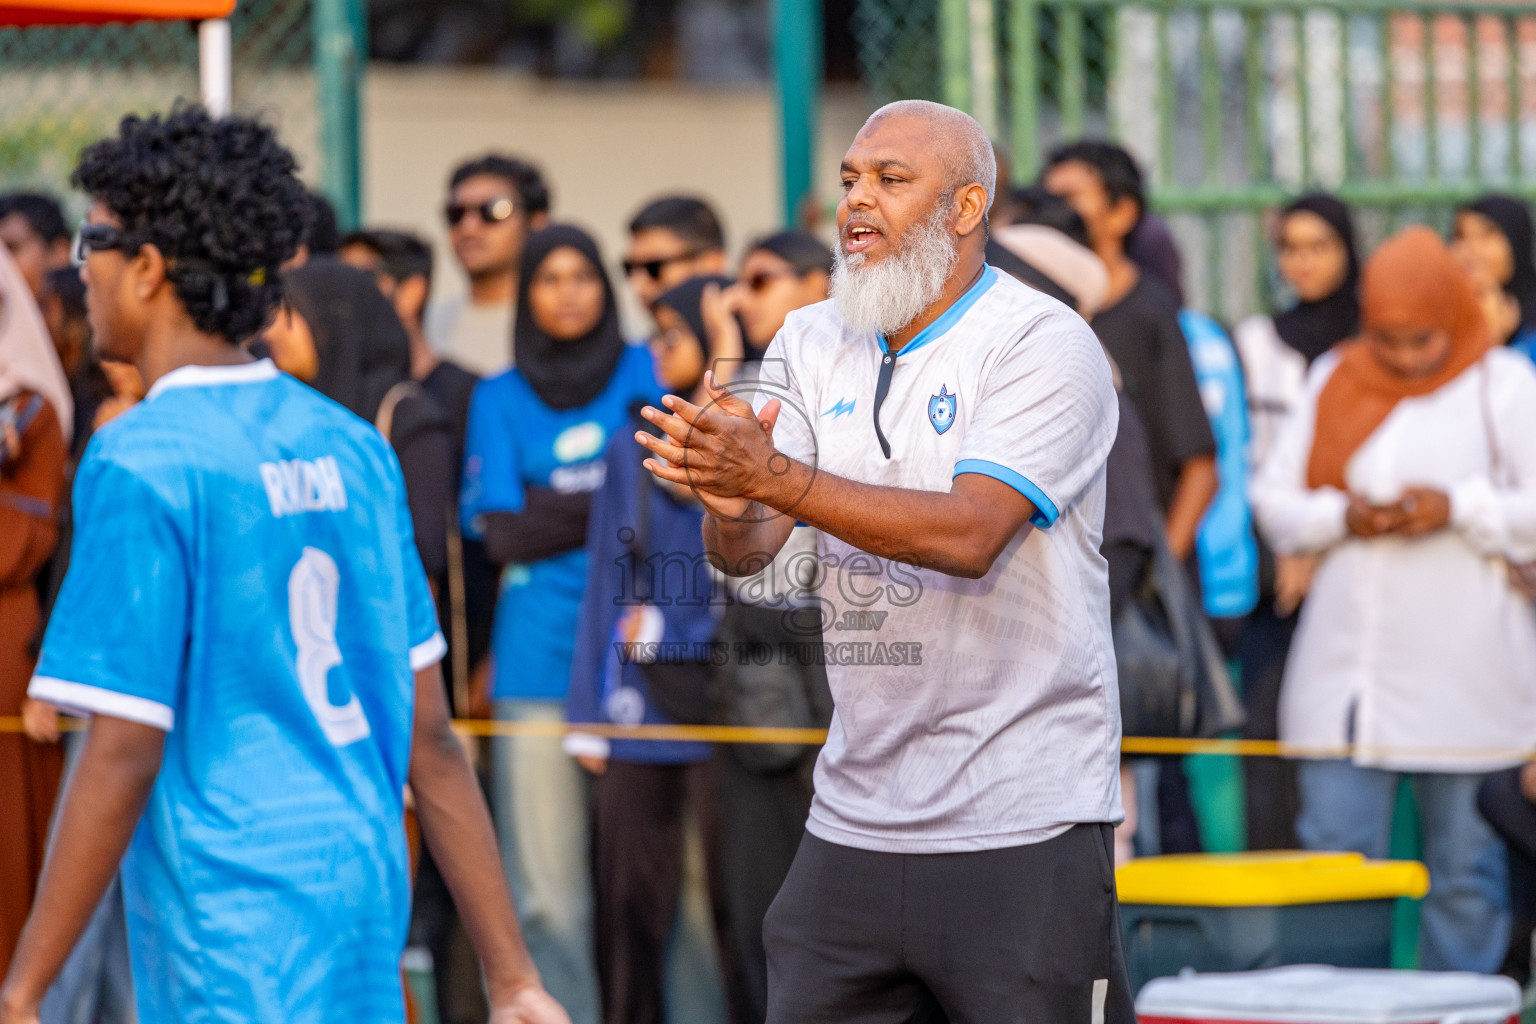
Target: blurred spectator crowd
x,y
1342,493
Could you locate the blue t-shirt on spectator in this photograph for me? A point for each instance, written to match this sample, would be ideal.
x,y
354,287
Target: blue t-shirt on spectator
x,y
515,441
1524,342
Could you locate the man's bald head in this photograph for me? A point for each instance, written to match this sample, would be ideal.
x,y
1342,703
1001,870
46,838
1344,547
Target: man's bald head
x,y
912,223
957,136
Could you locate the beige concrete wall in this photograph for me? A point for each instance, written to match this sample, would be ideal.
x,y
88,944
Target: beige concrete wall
x,y
605,148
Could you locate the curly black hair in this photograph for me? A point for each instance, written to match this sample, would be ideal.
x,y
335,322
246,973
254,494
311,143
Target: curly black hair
x,y
217,196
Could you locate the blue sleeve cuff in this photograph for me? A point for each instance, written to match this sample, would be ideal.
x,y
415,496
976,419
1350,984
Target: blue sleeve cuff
x,y
1046,513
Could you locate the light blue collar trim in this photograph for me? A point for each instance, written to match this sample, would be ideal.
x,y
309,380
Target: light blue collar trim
x,y
950,316
194,376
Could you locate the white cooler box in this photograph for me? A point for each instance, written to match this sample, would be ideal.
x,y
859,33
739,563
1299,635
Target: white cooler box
x,y
1330,995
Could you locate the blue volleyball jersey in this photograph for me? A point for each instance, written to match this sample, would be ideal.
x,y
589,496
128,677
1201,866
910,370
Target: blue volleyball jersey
x,y
244,577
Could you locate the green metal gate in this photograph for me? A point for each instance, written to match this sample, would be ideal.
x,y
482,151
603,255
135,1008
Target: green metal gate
x,y
1233,105
297,64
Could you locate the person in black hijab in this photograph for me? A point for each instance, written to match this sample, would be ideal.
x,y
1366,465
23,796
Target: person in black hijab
x,y
341,336
780,273
685,307
1318,259
644,791
534,459
567,357
1494,239
1327,290
565,372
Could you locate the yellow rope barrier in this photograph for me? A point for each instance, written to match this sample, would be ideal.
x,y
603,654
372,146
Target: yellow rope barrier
x,y
1134,745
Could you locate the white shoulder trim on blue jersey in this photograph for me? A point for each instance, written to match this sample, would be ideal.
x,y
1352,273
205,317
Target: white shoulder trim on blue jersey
x,y
210,376
94,700
428,652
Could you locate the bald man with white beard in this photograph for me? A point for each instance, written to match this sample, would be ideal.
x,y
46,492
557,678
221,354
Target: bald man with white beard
x,y
945,428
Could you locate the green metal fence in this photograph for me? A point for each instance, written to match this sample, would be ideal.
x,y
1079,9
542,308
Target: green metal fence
x,y
1232,105
296,64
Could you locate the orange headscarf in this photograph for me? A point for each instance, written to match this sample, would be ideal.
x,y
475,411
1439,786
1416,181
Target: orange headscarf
x,y
1411,281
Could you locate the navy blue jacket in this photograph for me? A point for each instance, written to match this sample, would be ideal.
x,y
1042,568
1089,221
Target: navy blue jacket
x,y
607,686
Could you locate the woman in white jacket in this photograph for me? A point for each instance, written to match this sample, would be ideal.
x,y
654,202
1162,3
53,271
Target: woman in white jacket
x,y
1409,472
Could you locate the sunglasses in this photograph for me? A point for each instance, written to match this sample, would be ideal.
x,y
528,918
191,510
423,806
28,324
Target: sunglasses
x,y
762,279
492,211
671,338
653,268
96,237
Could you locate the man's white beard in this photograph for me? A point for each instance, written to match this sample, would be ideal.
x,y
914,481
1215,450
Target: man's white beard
x,y
888,295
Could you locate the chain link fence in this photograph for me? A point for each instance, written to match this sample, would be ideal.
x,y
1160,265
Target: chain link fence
x,y
1232,105
65,87
898,48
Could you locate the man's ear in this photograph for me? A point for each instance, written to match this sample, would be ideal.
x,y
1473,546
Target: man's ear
x,y
712,262
538,221
971,207
146,270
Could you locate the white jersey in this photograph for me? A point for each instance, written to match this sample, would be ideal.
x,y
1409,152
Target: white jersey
x,y
970,714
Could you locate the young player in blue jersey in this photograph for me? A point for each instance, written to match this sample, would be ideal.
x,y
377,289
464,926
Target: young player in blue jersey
x,y
247,621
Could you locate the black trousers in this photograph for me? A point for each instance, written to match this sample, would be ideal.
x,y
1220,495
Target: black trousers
x,y
1513,817
762,817
639,814
1027,934
1269,782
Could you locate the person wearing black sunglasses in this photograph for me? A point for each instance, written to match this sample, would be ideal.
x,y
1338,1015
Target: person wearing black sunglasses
x,y
494,203
671,240
780,274
247,621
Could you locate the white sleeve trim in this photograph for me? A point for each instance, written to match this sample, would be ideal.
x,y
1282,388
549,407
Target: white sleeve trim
x,y
95,700
428,652
581,744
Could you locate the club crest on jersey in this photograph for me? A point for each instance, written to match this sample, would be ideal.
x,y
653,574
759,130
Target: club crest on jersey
x,y
941,409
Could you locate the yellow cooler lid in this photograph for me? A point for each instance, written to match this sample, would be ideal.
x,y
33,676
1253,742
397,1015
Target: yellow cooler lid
x,y
1267,879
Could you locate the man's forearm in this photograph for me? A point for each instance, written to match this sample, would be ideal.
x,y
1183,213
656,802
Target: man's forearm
x,y
1191,497
457,829
745,544
101,810
937,530
729,452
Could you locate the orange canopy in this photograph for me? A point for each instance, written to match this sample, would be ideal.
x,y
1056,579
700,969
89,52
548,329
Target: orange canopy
x,y
88,12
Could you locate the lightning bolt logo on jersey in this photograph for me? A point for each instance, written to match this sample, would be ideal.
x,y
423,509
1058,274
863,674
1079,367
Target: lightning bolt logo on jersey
x,y
245,578
842,408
